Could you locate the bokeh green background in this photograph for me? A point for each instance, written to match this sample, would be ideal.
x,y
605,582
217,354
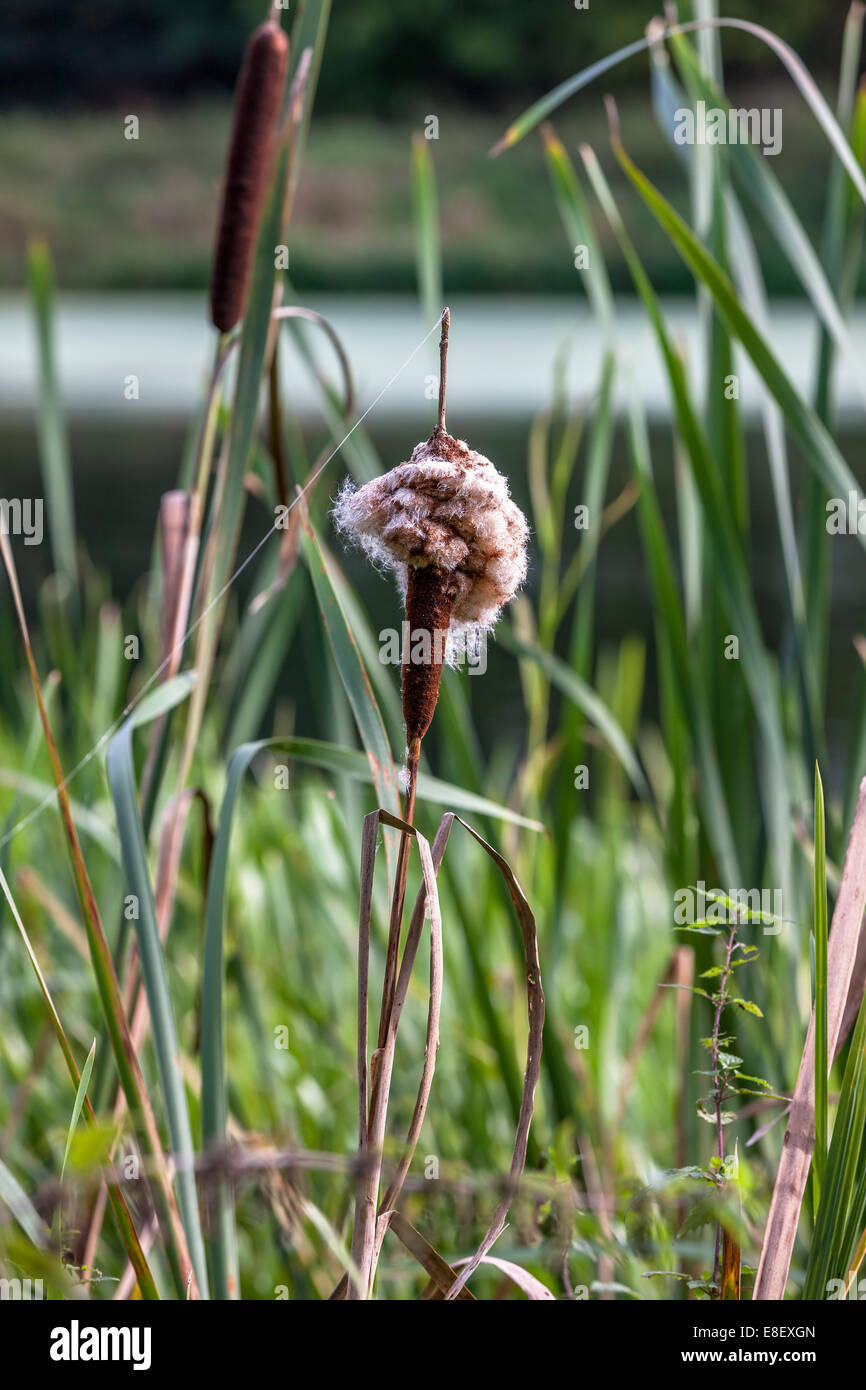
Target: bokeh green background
x,y
124,215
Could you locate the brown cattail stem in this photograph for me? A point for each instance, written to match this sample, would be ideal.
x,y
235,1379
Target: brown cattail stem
x,y
430,595
275,428
399,896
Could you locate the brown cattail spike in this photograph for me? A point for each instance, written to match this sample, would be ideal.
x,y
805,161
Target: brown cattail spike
x,y
258,99
430,595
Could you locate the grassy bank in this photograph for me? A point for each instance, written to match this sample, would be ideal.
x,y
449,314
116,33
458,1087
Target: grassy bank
x,y
140,215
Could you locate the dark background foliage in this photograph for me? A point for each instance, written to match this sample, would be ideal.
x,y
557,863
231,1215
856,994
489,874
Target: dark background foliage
x,y
381,54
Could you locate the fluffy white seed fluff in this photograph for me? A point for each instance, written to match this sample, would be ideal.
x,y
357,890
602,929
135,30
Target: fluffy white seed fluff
x,y
449,507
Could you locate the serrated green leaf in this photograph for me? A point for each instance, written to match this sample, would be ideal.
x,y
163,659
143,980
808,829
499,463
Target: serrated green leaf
x,y
747,1006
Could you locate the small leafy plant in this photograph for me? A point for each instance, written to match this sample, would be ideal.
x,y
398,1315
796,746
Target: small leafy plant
x,y
726,1079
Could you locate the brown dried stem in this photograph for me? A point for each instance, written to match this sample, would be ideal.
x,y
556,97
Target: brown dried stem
x,y
399,895
372,1128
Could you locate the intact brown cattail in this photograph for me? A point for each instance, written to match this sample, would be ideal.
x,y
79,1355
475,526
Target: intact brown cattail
x,y
258,99
445,522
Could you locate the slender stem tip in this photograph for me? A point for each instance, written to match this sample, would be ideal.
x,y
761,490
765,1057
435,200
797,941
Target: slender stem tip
x,y
443,366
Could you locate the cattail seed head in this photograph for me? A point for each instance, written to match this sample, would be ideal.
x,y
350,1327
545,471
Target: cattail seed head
x,y
448,507
258,99
445,523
